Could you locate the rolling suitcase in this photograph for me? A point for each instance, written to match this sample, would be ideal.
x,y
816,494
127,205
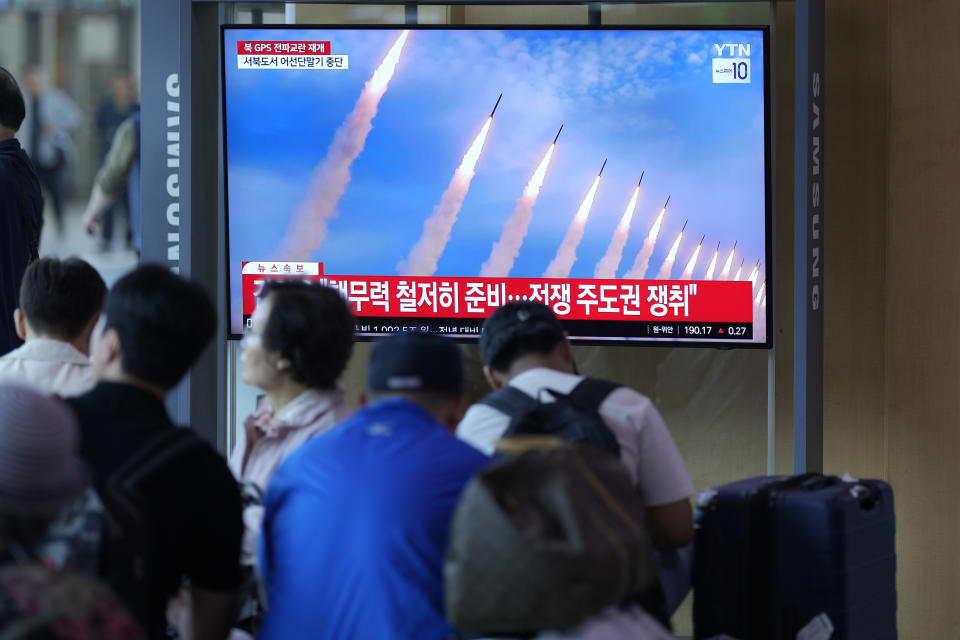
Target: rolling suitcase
x,y
777,556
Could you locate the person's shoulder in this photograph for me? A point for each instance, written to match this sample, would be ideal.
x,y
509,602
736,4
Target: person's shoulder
x,y
628,399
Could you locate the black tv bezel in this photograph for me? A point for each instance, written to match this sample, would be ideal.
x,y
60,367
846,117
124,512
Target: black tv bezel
x,y
764,30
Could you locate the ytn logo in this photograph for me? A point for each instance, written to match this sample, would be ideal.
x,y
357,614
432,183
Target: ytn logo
x,y
732,50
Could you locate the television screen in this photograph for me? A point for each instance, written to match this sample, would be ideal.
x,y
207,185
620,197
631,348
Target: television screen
x,y
618,175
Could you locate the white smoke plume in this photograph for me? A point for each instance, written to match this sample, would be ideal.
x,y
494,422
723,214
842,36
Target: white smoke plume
x,y
610,262
725,272
308,225
713,264
562,263
642,261
692,264
507,248
667,268
424,256
753,277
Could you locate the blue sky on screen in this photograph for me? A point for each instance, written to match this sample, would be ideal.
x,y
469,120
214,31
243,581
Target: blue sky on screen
x,y
644,100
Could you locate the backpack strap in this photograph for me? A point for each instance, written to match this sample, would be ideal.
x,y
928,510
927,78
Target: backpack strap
x,y
590,393
170,443
511,401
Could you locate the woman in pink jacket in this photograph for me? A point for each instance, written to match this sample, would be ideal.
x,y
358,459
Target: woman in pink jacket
x,y
301,339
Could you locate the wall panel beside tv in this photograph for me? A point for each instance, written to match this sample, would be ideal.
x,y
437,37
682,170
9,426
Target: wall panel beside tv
x,y
620,175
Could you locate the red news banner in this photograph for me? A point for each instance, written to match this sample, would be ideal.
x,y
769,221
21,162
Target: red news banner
x,y
570,299
263,48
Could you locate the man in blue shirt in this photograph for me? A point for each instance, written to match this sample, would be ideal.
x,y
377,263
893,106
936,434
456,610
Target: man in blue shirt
x,y
357,520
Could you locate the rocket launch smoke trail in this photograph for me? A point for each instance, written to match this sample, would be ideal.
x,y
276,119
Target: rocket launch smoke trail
x,y
725,272
692,264
753,276
713,264
561,264
761,294
424,256
664,273
308,226
610,262
507,248
739,270
642,261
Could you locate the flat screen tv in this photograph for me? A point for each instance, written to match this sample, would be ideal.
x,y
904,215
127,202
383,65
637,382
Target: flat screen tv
x,y
619,175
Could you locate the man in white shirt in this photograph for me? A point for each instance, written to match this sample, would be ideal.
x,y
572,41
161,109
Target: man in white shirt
x,y
524,346
60,303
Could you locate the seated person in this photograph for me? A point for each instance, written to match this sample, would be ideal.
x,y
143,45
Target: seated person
x,y
156,324
300,342
36,601
357,519
60,302
524,345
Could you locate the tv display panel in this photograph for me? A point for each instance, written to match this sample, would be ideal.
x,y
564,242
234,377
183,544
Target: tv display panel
x,y
433,174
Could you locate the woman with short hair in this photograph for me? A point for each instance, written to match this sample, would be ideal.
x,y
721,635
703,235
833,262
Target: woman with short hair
x,y
296,350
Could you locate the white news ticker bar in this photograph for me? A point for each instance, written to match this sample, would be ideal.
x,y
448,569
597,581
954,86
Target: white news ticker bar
x,y
300,62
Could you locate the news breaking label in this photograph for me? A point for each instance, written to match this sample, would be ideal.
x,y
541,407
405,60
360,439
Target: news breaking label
x,y
671,309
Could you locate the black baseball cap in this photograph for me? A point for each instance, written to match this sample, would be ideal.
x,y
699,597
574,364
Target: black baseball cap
x,y
416,363
518,328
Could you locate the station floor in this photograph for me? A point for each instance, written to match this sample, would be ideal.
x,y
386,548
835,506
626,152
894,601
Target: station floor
x,y
112,262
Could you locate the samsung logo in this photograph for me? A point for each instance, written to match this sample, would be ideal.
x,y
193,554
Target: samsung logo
x,y
173,177
816,189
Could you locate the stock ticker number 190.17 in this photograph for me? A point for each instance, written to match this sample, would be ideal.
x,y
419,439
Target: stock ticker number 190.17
x,y
697,330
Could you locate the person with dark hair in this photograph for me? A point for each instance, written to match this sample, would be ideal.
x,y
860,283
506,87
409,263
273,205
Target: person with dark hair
x,y
524,346
60,302
300,342
51,118
35,600
357,519
21,208
155,326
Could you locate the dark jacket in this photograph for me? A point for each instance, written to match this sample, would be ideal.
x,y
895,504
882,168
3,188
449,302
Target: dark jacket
x,y
21,206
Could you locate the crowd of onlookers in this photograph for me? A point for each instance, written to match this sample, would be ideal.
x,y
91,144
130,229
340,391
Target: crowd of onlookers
x,y
325,521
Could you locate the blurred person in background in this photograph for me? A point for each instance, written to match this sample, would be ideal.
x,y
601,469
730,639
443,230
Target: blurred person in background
x,y
60,302
35,600
21,208
115,108
119,175
52,116
296,350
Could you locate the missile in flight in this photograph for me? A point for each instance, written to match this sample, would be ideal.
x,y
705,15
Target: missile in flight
x,y
601,168
496,105
558,131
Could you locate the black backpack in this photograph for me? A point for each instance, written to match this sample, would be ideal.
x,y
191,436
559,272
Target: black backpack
x,y
109,532
573,416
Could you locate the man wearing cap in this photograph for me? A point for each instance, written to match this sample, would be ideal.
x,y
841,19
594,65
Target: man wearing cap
x,y
524,345
357,519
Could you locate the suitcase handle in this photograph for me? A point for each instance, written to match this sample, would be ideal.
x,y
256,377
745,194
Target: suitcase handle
x,y
868,497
